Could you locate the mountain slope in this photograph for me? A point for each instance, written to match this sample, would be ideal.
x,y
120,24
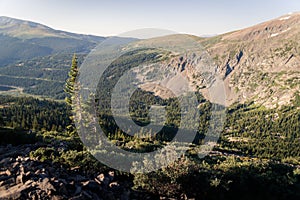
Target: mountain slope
x,y
25,40
14,49
30,30
260,63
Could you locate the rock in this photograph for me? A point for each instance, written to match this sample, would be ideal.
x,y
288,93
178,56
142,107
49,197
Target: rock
x,y
62,189
46,186
19,159
37,172
14,192
27,150
43,175
75,169
3,178
53,179
7,172
79,197
111,175
6,161
15,164
20,179
87,195
113,184
71,187
10,181
91,185
103,180
80,178
56,197
23,177
63,181
78,190
21,169
29,164
32,195
27,174
115,188
100,177
26,159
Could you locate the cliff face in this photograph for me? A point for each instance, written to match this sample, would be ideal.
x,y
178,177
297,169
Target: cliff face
x,y
260,63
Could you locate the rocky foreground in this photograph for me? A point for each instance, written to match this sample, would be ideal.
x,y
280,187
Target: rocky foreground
x,y
24,178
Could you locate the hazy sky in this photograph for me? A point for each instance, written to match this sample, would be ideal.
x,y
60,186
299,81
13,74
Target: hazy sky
x,y
112,17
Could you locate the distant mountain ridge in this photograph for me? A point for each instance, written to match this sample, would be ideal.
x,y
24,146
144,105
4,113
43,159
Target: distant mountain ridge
x,y
21,40
27,30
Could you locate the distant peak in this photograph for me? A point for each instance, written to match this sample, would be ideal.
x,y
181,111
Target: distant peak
x,y
10,19
9,22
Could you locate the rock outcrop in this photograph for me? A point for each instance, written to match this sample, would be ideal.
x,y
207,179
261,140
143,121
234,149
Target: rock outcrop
x,y
24,178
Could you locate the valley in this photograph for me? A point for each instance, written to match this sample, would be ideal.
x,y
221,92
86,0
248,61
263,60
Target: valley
x,y
257,155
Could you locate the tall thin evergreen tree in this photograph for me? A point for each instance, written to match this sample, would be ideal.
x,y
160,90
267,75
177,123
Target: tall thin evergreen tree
x,y
70,90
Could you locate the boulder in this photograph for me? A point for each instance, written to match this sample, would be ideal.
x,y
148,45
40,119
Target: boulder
x,y
46,186
6,161
9,181
7,172
103,180
91,185
14,192
23,177
62,190
77,190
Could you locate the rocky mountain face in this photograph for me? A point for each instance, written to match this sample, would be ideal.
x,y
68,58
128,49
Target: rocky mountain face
x,y
260,63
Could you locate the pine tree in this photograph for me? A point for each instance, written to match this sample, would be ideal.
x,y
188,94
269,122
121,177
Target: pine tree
x,y
35,123
70,90
70,83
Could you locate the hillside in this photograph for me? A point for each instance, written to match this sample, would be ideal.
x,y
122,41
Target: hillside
x,y
21,40
260,63
35,59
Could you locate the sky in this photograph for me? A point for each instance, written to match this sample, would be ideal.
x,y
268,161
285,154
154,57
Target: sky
x,y
113,17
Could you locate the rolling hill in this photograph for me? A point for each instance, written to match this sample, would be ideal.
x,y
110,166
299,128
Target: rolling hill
x,y
22,40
